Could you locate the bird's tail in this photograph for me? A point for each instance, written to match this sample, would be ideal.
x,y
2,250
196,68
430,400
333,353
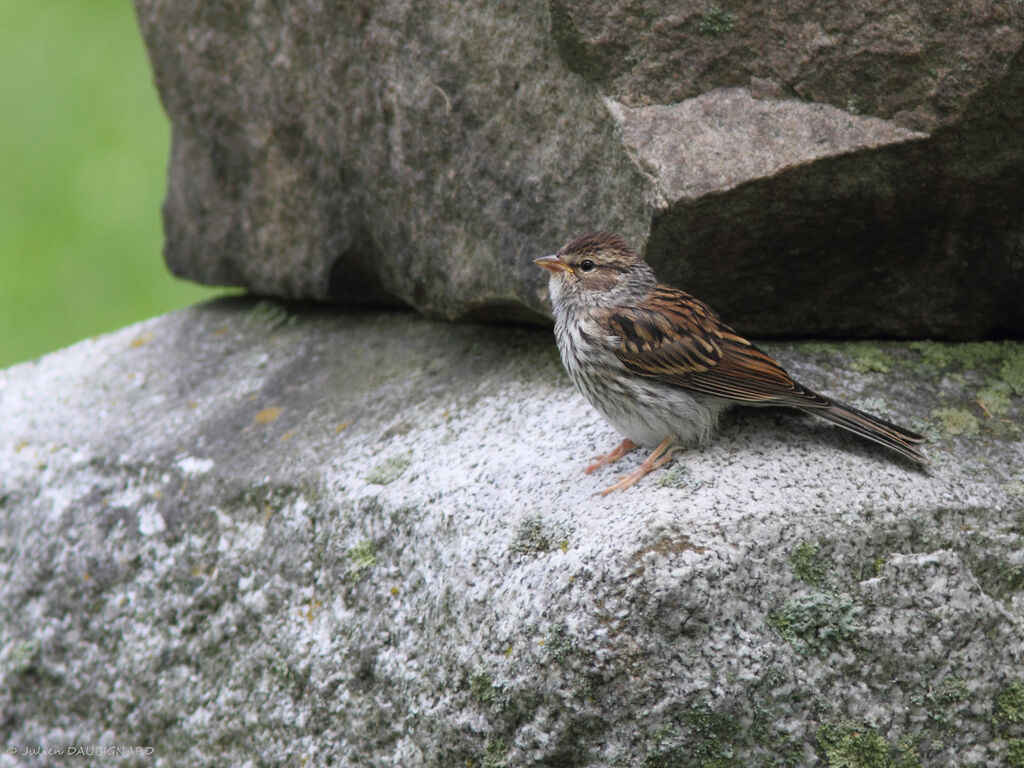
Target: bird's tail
x,y
873,428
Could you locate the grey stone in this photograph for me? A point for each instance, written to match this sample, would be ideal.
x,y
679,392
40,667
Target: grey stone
x,y
253,534
716,141
809,169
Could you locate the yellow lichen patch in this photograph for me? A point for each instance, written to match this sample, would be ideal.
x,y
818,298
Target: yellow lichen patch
x,y
267,415
341,427
314,606
288,435
20,446
192,404
142,340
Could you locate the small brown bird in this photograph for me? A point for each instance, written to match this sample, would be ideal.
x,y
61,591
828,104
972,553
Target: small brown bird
x,y
659,364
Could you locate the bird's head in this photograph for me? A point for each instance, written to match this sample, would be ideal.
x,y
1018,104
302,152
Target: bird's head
x,y
596,270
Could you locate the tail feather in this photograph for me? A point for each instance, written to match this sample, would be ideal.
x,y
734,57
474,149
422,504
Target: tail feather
x,y
885,433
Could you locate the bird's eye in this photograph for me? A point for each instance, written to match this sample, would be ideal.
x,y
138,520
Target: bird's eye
x,y
586,265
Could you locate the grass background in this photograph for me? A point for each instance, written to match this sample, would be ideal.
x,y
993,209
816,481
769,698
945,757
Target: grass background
x,y
83,154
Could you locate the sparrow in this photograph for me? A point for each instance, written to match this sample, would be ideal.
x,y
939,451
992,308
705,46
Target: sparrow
x,y
660,366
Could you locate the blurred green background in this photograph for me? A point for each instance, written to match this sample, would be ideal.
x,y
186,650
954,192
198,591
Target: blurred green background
x,y
83,155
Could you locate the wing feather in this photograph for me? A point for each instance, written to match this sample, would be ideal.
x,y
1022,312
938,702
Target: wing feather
x,y
679,340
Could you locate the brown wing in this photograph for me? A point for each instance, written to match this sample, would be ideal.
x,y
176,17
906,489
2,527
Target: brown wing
x,y
679,340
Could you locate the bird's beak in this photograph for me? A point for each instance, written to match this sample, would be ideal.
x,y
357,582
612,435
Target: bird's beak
x,y
553,264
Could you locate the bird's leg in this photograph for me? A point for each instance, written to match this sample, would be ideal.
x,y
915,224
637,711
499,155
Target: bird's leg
x,y
612,456
659,456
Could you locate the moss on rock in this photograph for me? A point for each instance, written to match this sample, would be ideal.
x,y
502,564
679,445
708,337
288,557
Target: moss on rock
x,y
817,622
848,745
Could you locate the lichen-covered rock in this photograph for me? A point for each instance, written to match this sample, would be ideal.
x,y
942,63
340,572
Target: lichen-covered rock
x,y
810,169
249,533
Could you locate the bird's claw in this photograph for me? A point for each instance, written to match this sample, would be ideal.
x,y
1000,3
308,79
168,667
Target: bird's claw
x,y
611,457
658,458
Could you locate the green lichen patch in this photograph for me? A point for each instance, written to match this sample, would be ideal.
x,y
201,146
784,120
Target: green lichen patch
x,y
1015,753
716,22
995,399
715,733
807,564
943,702
481,687
495,754
702,736
907,753
22,656
558,643
664,750
875,405
696,733
961,356
952,690
389,470
1012,369
534,536
869,358
956,421
677,476
818,622
848,745
1009,704
1000,365
361,559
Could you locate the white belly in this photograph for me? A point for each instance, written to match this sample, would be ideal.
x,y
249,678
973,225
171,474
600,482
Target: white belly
x,y
642,409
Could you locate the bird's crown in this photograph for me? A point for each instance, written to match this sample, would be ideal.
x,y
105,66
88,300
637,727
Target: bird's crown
x,y
606,248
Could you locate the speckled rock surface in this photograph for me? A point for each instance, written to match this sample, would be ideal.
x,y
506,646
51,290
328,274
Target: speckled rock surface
x,y
810,169
256,534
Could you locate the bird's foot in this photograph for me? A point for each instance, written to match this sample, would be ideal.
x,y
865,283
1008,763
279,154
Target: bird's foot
x,y
659,457
612,456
